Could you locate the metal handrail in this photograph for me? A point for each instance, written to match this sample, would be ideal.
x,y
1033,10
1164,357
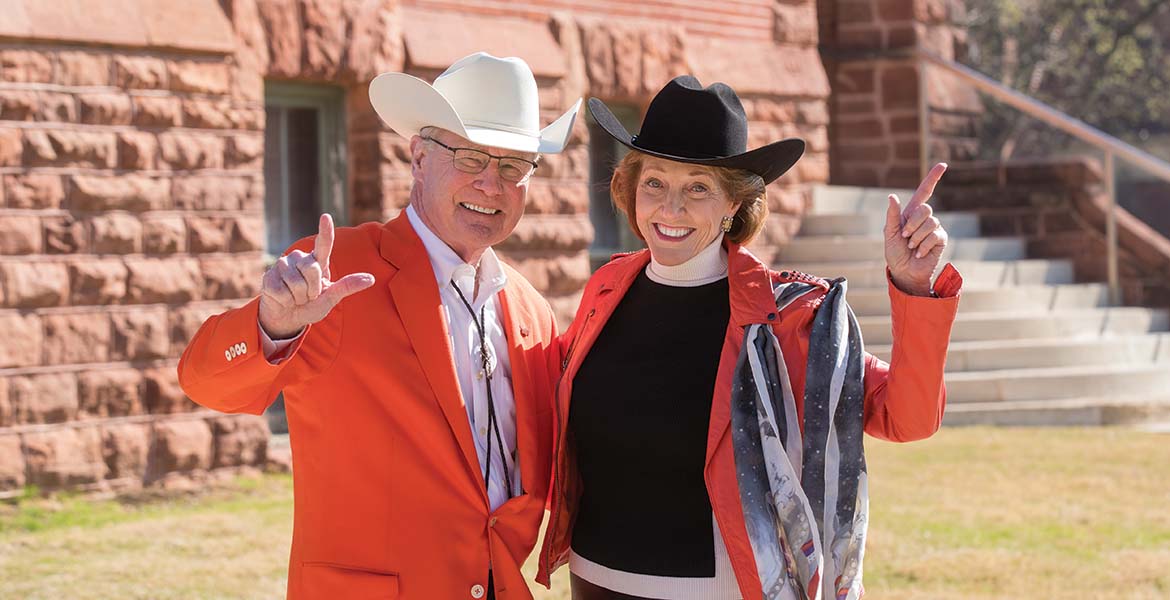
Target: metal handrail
x,y
1111,146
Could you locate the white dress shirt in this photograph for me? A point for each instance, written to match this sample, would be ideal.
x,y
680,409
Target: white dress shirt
x,y
464,340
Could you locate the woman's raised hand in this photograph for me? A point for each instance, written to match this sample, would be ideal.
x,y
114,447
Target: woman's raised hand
x,y
914,238
297,290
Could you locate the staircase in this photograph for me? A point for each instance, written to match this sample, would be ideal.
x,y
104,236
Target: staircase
x,y
1029,346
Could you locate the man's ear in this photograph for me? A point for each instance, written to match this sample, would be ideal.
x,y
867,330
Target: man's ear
x,y
417,152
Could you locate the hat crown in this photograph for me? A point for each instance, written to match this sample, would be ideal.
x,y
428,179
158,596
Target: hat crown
x,y
695,122
515,105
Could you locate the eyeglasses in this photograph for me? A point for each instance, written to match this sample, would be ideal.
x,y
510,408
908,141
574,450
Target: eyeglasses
x,y
470,160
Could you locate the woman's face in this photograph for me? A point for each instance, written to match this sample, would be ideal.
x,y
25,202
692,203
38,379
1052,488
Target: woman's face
x,y
678,208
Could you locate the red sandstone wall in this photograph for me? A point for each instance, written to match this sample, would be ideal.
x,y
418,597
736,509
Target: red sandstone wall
x,y
131,150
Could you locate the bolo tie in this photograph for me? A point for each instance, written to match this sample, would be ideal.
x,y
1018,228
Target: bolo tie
x,y
493,423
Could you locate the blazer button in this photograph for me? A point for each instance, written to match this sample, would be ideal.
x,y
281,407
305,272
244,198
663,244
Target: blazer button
x,y
477,591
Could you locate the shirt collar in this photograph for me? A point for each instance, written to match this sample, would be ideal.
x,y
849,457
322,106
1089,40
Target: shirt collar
x,y
447,264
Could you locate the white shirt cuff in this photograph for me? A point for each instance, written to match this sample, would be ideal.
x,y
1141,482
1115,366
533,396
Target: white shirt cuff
x,y
273,347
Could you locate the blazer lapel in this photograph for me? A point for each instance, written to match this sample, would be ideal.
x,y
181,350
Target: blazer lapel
x,y
416,297
517,321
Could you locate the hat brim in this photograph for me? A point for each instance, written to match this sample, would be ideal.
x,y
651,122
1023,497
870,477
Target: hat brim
x,y
769,161
407,104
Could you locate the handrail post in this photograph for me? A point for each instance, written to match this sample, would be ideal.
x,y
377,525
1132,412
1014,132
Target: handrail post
x,y
923,121
1111,232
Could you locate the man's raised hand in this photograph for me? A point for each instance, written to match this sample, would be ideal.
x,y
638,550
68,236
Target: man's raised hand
x,y
297,291
914,238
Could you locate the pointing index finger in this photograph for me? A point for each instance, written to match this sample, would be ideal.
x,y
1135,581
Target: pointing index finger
x,y
323,245
925,189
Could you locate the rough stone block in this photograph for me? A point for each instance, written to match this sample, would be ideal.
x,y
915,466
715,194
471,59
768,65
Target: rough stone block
x,y
186,320
157,111
190,25
115,233
125,448
137,150
240,440
794,23
207,114
163,234
34,284
140,72
97,282
70,149
64,457
55,107
18,105
33,190
105,109
216,192
22,340
554,198
162,394
553,274
244,152
225,278
247,234
83,68
181,446
20,234
204,77
141,334
172,281
11,147
76,338
899,87
189,151
564,233
125,192
208,234
45,398
11,463
26,66
110,393
281,21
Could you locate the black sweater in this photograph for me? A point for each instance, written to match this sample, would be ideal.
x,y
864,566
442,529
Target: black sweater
x,y
640,409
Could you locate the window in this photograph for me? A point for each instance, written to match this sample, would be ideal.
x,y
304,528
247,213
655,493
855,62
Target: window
x,y
611,231
304,161
304,173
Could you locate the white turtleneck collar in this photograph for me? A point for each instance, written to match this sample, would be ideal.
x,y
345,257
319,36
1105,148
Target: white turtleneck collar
x,y
708,266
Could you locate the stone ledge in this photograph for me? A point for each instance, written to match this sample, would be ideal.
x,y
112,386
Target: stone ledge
x,y
189,25
434,40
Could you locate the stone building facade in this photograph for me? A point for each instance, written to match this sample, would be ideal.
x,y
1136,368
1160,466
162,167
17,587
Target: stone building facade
x,y
149,149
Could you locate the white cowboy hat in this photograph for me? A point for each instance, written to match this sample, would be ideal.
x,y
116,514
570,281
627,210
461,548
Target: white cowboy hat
x,y
488,100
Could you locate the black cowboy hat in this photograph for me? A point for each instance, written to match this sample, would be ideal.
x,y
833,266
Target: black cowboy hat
x,y
704,126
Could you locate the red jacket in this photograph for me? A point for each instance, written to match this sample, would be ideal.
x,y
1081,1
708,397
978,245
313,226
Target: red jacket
x,y
904,400
390,499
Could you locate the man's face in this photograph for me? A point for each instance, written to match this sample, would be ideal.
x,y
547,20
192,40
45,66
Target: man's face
x,y
468,211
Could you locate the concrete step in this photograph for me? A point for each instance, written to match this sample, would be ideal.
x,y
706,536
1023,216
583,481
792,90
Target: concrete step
x,y
876,300
1081,323
976,273
957,224
829,199
1065,412
1150,349
1056,383
832,249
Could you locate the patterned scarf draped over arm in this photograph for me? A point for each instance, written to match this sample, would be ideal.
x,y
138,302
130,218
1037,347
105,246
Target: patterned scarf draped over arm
x,y
804,500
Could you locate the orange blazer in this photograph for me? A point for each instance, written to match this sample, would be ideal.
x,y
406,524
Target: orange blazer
x,y
389,498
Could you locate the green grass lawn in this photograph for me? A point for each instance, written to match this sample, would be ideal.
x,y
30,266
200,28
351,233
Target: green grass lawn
x,y
970,513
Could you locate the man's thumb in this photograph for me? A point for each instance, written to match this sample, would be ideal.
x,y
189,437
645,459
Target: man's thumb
x,y
347,286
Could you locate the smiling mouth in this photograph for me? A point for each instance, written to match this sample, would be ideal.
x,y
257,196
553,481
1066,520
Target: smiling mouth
x,y
672,233
483,210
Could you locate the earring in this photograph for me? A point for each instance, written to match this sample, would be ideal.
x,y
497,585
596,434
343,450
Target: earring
x,y
725,224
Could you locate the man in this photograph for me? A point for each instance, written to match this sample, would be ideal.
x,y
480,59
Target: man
x,y
413,362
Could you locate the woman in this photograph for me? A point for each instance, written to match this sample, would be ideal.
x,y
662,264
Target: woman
x,y
710,410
